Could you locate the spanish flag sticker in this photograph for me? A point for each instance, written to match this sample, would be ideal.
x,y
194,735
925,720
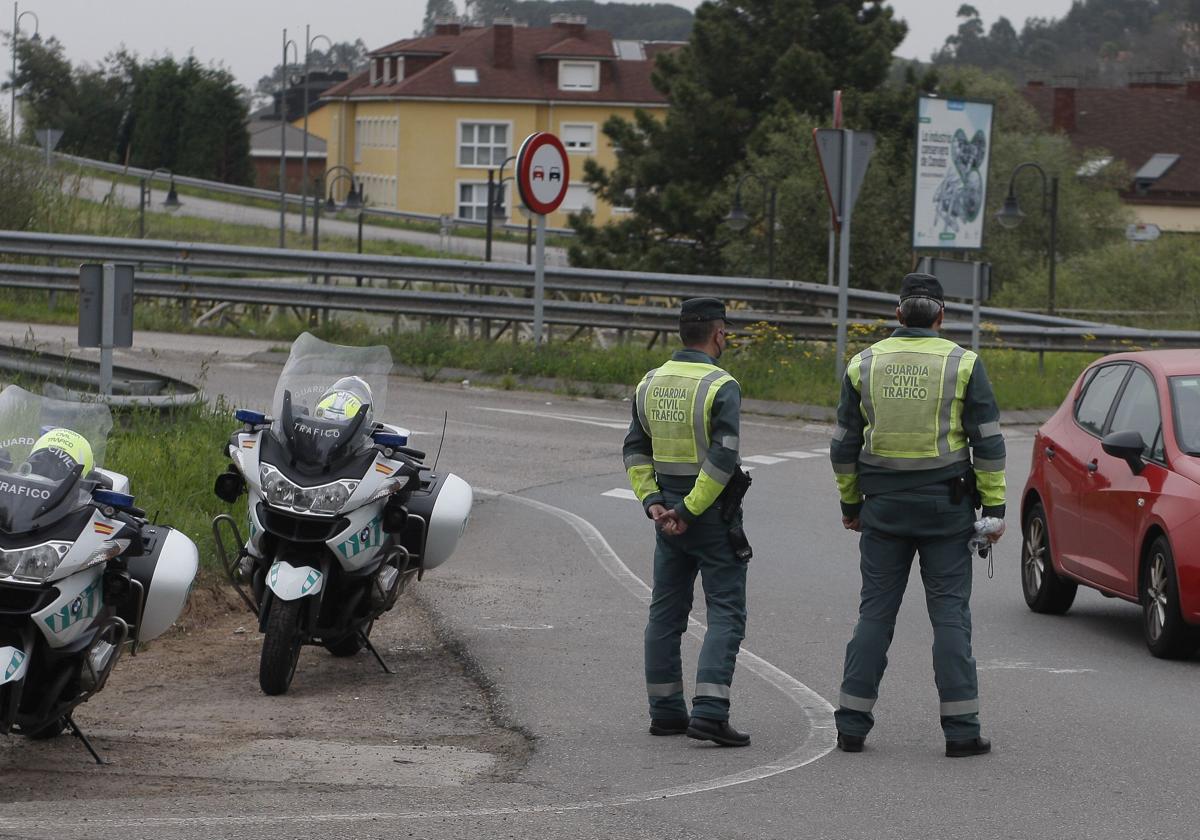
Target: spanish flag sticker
x,y
103,528
248,444
383,468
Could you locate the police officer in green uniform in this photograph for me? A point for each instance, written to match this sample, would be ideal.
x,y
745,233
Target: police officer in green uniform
x,y
917,448
681,452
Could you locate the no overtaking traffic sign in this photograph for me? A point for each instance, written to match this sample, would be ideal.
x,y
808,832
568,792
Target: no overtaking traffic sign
x,y
543,172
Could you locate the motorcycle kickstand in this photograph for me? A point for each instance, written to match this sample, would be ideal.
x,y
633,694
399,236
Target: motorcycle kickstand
x,y
375,653
78,733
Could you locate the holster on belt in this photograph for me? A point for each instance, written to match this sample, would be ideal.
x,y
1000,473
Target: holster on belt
x,y
965,487
731,507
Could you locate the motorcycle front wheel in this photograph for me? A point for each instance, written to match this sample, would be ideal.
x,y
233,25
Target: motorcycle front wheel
x,y
281,646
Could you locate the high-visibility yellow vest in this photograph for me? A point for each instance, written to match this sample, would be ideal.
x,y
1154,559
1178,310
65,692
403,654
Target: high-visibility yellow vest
x,y
674,403
911,393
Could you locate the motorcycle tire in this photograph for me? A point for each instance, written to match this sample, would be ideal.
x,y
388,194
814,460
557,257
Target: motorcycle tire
x,y
351,644
281,646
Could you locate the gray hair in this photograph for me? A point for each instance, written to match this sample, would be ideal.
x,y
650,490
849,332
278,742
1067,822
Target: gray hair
x,y
919,311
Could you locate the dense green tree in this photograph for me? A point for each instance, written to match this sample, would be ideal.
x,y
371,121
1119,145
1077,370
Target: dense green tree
x,y
190,119
87,104
749,63
344,56
1097,41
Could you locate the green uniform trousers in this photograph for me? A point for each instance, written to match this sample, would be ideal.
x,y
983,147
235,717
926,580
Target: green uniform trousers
x,y
703,549
923,521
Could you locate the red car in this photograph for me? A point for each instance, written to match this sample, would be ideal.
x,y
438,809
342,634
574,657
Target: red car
x,y
1113,497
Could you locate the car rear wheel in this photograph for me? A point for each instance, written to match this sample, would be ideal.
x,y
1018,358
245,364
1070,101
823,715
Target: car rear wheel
x,y
1045,591
1167,635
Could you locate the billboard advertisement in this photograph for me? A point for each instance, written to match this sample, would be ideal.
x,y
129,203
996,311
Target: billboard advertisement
x,y
954,144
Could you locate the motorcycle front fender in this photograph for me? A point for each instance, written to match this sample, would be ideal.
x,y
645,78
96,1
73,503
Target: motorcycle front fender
x,y
14,662
289,583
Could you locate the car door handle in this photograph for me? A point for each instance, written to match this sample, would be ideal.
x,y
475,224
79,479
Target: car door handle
x,y
1093,465
1049,452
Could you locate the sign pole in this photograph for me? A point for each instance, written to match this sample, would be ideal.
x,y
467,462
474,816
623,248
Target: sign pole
x,y
844,255
539,279
976,270
108,311
837,123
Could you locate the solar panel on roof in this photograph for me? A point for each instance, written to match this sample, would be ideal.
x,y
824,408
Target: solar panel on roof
x,y
1156,167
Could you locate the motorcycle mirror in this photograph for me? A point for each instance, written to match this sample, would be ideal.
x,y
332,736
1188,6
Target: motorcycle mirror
x,y
229,486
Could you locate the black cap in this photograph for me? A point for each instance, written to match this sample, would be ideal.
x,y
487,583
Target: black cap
x,y
921,285
701,309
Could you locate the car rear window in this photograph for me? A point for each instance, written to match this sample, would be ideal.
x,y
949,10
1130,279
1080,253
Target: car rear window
x,y
1185,402
1092,409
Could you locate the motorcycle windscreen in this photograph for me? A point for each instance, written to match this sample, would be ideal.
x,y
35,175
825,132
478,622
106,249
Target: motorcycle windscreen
x,y
37,488
317,442
313,366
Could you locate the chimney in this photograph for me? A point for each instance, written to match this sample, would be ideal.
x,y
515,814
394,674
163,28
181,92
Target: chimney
x,y
447,26
572,25
502,42
1193,90
1064,110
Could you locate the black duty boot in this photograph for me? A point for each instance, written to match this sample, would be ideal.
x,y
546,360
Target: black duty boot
x,y
850,743
668,726
717,731
968,747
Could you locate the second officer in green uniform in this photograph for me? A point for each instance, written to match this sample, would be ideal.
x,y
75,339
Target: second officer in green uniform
x,y
917,448
681,454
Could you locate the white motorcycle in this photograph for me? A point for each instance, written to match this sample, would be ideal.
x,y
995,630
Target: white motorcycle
x,y
342,513
81,570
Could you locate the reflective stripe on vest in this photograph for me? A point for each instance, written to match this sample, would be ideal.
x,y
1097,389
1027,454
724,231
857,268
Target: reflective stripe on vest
x,y
912,392
673,404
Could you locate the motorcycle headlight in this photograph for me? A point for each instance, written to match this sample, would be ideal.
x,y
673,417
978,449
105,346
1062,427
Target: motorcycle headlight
x,y
280,491
36,563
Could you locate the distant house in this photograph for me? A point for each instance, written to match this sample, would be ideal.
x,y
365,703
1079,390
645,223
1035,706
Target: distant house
x,y
1152,126
265,147
421,128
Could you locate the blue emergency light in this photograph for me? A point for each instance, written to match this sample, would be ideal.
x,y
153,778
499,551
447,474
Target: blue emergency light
x,y
113,499
390,439
254,418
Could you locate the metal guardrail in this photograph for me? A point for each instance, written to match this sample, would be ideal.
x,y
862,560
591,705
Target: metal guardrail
x,y
796,307
293,199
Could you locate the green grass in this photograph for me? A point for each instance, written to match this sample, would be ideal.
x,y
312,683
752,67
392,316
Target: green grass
x,y
172,461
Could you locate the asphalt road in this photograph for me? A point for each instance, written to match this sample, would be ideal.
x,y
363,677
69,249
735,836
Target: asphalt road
x,y
1093,737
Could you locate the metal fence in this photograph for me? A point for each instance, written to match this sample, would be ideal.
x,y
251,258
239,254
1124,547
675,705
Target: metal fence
x,y
500,295
293,199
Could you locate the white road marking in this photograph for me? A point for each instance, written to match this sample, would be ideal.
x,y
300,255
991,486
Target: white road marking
x,y
824,450
820,741
621,493
797,454
551,415
765,460
1018,665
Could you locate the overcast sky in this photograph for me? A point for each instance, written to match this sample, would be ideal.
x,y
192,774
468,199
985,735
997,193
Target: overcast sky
x,y
245,35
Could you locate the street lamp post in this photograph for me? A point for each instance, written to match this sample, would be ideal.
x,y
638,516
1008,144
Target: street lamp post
x,y
308,48
495,202
283,80
171,202
1010,216
12,113
739,220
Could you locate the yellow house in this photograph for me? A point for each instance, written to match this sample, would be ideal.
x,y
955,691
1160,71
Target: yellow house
x,y
423,126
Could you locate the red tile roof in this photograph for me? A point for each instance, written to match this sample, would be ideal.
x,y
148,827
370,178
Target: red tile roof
x,y
1134,124
533,75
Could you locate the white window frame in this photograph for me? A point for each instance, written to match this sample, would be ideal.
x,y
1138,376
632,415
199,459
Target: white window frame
x,y
594,66
506,197
360,127
459,145
588,196
472,71
588,150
